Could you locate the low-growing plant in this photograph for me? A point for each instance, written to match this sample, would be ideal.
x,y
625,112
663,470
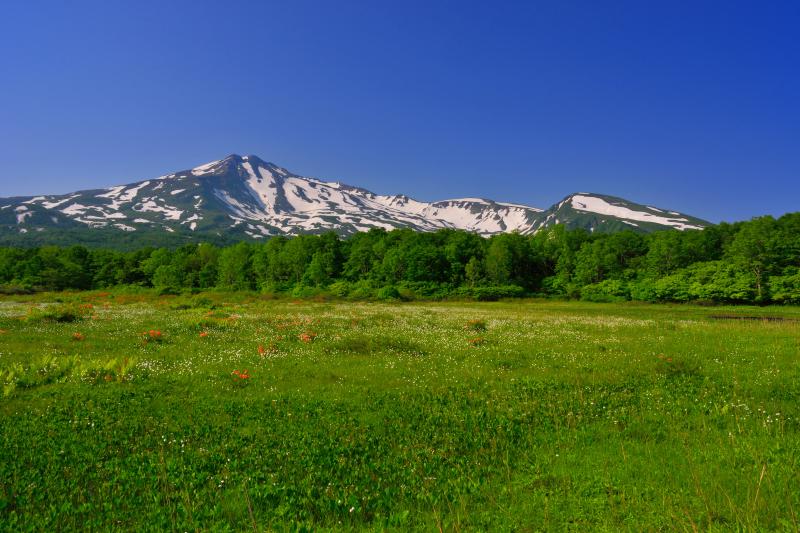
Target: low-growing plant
x,y
45,370
118,369
477,325
207,324
476,341
61,313
240,379
153,335
307,336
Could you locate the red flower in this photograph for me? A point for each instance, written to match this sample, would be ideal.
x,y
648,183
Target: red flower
x,y
307,336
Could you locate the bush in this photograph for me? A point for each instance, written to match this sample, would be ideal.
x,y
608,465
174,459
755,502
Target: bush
x,y
609,290
412,290
340,289
361,290
389,292
493,293
643,290
15,290
306,291
63,313
477,325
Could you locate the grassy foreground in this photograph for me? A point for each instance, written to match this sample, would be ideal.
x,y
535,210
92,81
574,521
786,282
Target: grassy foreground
x,y
227,412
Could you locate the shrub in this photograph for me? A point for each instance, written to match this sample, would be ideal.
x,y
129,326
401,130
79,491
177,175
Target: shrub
x,y
69,312
15,290
389,292
361,290
478,325
340,289
306,291
643,290
609,290
493,293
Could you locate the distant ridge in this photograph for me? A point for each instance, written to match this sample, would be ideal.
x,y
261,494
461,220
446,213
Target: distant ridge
x,y
245,197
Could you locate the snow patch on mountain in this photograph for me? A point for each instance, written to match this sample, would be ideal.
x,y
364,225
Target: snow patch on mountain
x,y
169,212
593,204
205,169
251,196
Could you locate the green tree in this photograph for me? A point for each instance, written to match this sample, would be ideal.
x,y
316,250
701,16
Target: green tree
x,y
234,268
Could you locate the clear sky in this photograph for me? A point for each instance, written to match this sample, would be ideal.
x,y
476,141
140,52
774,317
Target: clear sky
x,y
693,106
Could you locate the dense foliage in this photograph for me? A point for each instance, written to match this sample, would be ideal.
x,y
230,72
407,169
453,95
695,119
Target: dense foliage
x,y
747,262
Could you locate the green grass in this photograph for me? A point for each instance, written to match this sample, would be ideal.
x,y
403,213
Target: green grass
x,y
455,416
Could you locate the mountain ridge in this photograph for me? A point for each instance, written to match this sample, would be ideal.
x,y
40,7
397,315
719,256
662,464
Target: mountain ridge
x,y
246,197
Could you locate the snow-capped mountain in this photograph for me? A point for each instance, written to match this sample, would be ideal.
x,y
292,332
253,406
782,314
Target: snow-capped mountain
x,y
602,213
246,197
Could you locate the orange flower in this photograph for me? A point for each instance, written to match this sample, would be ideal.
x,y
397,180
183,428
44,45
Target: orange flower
x,y
476,341
307,337
77,336
240,375
203,334
261,349
152,335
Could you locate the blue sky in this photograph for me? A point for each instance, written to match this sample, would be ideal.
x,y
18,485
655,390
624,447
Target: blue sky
x,y
693,106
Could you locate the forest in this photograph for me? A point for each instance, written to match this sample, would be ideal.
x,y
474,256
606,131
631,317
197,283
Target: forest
x,y
753,262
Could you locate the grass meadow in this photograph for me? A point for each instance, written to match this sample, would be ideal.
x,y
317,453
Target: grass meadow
x,y
231,412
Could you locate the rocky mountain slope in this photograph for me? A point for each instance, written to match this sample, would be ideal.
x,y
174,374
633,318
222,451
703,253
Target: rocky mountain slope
x,y
245,197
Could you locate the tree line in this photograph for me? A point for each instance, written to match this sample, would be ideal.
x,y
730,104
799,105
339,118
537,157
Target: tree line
x,y
757,261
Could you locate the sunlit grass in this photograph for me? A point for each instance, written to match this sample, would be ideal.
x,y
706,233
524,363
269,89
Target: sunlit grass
x,y
521,415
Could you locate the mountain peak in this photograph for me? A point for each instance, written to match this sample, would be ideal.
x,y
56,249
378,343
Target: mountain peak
x,y
248,197
590,208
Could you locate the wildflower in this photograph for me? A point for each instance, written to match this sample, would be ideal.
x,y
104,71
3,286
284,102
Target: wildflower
x,y
77,336
261,349
307,337
240,376
152,335
476,341
203,334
